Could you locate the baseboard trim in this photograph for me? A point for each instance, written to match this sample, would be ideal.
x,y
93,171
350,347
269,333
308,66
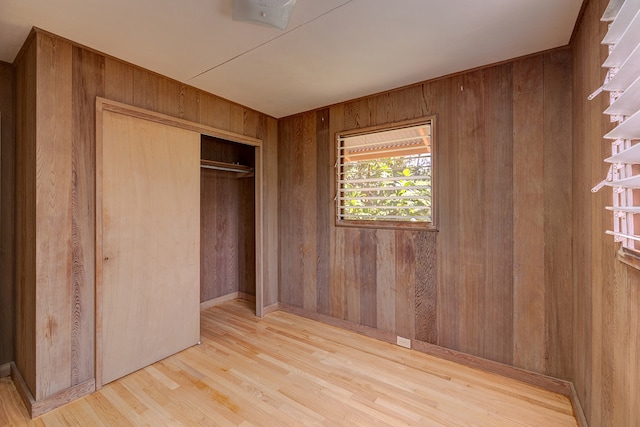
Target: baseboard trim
x,y
533,378
226,298
40,407
578,411
555,385
270,309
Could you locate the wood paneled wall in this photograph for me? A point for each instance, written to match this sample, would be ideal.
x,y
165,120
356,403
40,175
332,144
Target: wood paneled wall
x,y
57,83
607,292
228,250
228,246
495,280
7,211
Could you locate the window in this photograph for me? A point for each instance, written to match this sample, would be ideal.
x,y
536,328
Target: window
x,y
385,176
623,84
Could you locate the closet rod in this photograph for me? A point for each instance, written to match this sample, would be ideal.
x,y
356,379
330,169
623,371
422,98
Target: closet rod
x,y
229,167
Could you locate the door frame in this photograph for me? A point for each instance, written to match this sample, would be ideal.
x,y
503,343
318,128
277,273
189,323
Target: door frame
x,y
102,105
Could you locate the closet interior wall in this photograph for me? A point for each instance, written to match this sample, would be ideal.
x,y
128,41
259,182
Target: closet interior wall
x,y
227,207
7,204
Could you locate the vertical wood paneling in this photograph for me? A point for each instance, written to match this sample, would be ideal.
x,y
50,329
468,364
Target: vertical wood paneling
x,y
528,190
221,213
214,111
88,74
587,65
386,280
119,82
53,216
146,89
350,257
338,276
307,209
498,194
56,88
286,235
336,268
368,277
169,97
470,281
7,212
557,211
270,211
426,289
450,199
246,236
189,107
606,337
25,353
405,283
324,211
460,287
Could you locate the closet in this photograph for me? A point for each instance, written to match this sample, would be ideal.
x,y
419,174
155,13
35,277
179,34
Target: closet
x,y
227,227
159,255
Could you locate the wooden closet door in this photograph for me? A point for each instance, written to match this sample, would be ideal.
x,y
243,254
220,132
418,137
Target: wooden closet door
x,y
150,283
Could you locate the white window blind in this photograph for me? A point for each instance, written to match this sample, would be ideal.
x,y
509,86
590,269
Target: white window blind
x,y
385,175
622,83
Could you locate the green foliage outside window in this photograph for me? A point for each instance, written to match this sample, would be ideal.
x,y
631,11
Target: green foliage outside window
x,y
387,189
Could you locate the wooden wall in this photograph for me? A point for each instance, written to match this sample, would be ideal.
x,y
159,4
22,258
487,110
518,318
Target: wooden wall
x,y
496,280
55,181
607,292
7,212
227,212
228,250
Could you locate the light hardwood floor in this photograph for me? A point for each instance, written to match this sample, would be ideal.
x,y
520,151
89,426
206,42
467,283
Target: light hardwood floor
x,y
285,370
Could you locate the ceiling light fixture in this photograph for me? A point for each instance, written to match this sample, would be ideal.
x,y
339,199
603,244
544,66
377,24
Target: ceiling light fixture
x,y
272,13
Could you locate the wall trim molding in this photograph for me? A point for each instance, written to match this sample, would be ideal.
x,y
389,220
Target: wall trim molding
x,y
578,411
40,407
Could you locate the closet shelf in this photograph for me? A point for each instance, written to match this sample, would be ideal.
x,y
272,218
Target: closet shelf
x,y
222,166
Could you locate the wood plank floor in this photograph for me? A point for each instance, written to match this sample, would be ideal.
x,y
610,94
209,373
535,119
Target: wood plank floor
x,y
285,370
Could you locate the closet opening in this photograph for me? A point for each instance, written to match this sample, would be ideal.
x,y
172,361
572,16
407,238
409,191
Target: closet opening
x,y
227,221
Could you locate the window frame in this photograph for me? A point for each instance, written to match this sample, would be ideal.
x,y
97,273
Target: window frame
x,y
624,163
350,223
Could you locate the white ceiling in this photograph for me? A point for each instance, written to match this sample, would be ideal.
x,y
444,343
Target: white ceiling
x,y
332,50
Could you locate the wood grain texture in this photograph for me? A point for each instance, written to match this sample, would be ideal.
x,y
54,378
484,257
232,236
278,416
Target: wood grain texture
x,y
219,235
287,370
25,350
227,234
37,408
528,244
270,211
498,192
7,212
606,337
324,210
426,289
88,73
82,74
557,210
150,242
460,287
53,238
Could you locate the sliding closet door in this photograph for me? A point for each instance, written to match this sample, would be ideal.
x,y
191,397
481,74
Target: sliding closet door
x,y
150,284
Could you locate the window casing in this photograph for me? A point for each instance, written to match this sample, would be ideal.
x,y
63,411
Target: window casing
x,y
385,176
622,82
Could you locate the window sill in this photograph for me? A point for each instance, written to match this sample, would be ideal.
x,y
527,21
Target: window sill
x,y
387,225
629,257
